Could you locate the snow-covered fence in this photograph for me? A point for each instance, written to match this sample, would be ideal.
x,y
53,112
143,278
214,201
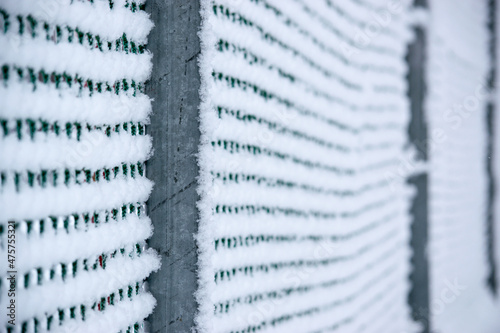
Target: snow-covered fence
x,y
305,219
316,120
72,150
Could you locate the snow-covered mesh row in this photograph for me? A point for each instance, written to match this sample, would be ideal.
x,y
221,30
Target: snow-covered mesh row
x,y
458,64
304,226
72,152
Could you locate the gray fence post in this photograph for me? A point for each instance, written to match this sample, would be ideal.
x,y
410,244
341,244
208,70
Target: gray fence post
x,y
419,293
174,85
490,125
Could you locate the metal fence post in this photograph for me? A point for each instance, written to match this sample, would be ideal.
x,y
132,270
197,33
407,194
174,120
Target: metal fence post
x,y
417,130
174,85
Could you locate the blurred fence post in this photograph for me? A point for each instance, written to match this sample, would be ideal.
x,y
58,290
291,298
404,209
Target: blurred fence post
x,y
490,125
417,130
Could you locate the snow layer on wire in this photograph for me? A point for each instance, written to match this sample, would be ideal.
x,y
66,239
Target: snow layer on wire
x,y
72,152
303,228
456,108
